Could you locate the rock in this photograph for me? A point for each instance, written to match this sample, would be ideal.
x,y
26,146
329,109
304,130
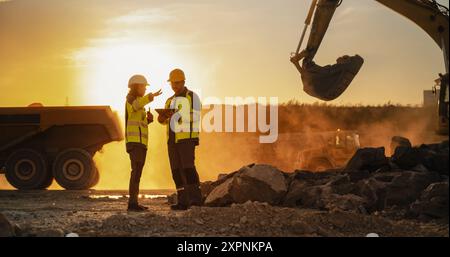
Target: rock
x,y
374,193
437,161
323,197
370,159
407,187
206,188
222,176
313,196
386,177
341,185
221,196
50,233
72,235
293,197
246,188
398,141
407,157
348,203
434,157
315,178
357,176
269,175
420,168
433,202
6,227
262,183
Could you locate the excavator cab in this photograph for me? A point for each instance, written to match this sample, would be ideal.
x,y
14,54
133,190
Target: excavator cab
x,y
324,82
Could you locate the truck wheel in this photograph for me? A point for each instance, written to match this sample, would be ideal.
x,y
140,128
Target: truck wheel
x,y
27,169
74,169
319,165
48,182
95,178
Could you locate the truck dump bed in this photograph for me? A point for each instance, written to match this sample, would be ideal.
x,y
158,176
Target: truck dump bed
x,y
18,124
54,140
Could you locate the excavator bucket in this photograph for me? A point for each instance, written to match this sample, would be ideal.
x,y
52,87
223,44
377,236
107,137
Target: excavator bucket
x,y
329,82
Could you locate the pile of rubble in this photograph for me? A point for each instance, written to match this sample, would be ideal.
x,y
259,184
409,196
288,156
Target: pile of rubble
x,y
412,183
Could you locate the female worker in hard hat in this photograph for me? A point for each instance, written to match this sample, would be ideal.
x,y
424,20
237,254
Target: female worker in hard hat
x,y
136,133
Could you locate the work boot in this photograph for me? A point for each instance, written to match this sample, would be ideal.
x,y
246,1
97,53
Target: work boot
x,y
194,195
137,208
182,201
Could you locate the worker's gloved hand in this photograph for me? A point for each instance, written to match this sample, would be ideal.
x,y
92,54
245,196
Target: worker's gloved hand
x,y
149,117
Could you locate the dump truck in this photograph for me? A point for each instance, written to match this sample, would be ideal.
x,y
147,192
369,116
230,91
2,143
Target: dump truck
x,y
313,151
39,144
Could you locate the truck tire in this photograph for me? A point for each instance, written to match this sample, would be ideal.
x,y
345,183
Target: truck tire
x,y
48,182
27,169
74,169
319,164
95,178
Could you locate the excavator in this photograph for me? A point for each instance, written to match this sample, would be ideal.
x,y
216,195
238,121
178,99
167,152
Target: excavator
x,y
329,82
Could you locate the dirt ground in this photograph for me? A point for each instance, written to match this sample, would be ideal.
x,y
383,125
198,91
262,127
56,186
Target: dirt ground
x,y
103,213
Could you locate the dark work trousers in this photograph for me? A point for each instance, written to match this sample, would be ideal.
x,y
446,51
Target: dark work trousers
x,y
138,154
182,163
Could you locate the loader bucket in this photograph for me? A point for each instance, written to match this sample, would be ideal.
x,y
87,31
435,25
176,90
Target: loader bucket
x,y
329,82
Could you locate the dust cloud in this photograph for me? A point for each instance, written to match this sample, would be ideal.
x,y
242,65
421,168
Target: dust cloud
x,y
226,152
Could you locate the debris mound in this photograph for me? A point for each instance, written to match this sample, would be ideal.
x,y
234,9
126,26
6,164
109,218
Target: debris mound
x,y
413,182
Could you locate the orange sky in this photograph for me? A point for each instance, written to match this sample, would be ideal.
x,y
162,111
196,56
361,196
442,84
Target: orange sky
x,y
86,50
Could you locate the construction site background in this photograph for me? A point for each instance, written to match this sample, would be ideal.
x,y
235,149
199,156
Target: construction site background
x,y
220,153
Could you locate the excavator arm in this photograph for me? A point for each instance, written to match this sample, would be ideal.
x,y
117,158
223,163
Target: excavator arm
x,y
329,82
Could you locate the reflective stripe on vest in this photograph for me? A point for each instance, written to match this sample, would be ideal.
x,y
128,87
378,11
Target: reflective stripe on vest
x,y
136,130
194,127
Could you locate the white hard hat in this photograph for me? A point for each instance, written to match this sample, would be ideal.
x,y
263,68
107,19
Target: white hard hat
x,y
137,79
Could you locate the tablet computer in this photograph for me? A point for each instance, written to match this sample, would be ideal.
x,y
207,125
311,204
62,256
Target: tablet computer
x,y
164,111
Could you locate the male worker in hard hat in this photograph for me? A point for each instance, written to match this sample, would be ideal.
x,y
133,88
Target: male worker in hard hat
x,y
183,125
136,133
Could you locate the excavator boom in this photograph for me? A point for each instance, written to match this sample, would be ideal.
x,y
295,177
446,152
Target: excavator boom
x,y
329,82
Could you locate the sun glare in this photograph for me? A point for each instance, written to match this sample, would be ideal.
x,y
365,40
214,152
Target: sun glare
x,y
108,67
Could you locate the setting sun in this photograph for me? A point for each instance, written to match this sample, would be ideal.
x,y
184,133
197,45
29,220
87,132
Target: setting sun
x,y
107,68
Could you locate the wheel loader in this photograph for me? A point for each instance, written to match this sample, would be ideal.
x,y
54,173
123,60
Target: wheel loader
x,y
314,151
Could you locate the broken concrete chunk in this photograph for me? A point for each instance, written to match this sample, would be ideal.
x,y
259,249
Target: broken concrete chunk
x,y
398,141
432,157
370,159
262,183
433,202
407,187
268,175
220,196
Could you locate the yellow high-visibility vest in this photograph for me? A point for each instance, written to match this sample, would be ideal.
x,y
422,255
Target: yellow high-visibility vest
x,y
185,129
136,124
